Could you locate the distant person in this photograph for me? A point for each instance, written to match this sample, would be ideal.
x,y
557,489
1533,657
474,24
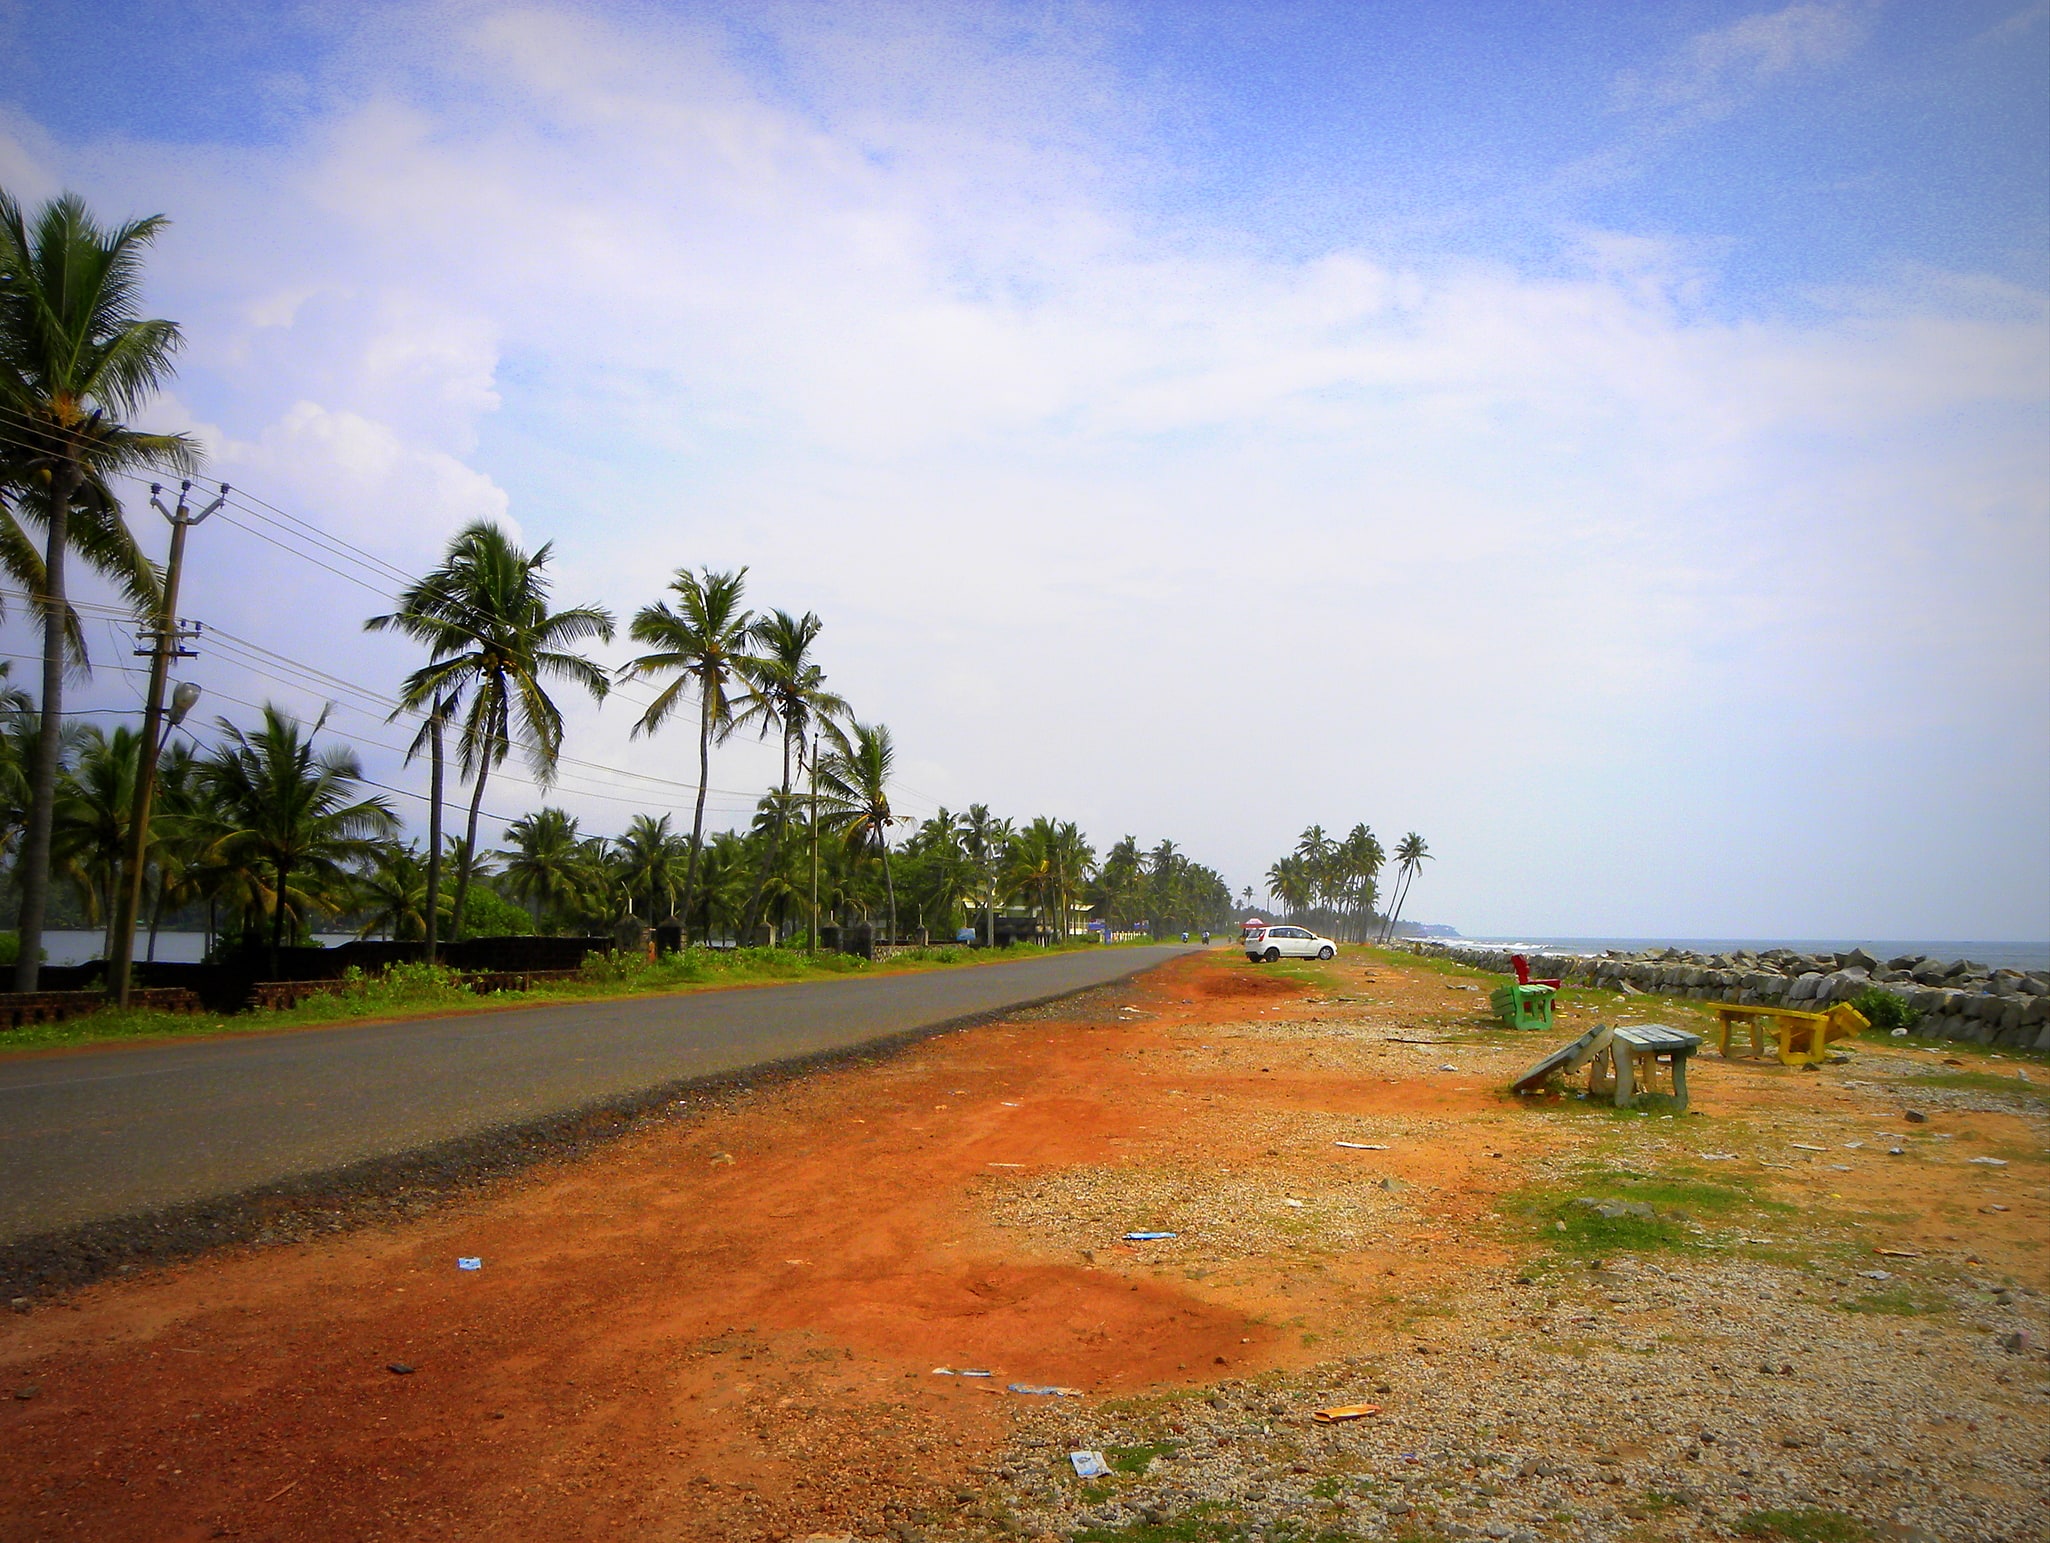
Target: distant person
x,y
1185,937
1206,940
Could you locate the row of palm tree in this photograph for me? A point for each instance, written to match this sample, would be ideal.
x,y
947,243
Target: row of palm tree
x,y
1334,883
274,835
78,360
265,828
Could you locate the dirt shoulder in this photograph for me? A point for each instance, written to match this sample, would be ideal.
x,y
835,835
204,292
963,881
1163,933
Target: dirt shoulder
x,y
728,1323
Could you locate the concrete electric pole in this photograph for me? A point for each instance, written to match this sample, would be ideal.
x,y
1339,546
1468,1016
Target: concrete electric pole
x,y
166,638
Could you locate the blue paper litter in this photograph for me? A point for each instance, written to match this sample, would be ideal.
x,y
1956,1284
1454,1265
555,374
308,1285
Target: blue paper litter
x,y
469,1263
1045,1390
1089,1465
1149,1237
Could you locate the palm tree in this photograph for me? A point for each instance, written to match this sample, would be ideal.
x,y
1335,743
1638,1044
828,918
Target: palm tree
x,y
89,838
703,643
75,358
944,876
1289,882
284,811
647,857
171,852
1032,868
1074,859
1121,882
1411,853
493,642
392,892
1360,857
857,787
546,865
987,841
789,694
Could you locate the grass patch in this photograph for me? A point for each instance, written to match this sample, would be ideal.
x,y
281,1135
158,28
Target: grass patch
x,y
1563,1220
1894,1302
1983,1082
1803,1526
1137,1459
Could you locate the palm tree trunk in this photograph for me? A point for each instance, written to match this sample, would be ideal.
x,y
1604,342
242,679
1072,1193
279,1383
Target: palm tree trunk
x,y
277,918
697,824
156,920
438,760
890,885
33,870
775,848
455,917
1394,916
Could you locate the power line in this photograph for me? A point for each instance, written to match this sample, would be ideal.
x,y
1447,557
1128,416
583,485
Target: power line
x,y
347,551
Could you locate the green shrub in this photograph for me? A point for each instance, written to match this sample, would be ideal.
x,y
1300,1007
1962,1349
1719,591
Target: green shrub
x,y
1885,1011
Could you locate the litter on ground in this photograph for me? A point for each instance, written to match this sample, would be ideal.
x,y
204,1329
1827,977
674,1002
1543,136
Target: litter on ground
x,y
1045,1390
1338,1412
1089,1465
469,1262
1362,1146
1148,1237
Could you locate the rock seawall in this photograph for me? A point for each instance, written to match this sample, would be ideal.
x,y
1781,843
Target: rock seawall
x,y
1958,999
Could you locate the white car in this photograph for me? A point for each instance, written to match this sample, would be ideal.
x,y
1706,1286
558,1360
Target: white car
x,y
1272,943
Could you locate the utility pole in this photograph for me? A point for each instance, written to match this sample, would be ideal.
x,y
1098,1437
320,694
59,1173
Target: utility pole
x,y
166,638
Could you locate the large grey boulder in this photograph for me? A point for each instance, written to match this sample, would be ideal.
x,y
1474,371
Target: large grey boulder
x,y
1803,988
1842,985
1858,959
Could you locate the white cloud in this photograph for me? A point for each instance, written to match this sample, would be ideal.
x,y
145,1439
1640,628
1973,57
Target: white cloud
x,y
1718,68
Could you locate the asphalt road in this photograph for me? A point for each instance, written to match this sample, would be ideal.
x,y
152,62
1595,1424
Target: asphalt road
x,y
98,1135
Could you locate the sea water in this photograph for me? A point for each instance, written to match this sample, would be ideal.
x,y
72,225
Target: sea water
x,y
76,947
1995,955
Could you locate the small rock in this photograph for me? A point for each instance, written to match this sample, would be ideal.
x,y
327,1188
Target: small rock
x,y
26,1391
1915,1117
2017,1343
399,1369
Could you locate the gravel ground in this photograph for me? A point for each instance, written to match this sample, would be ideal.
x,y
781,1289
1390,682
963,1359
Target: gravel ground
x,y
1766,1368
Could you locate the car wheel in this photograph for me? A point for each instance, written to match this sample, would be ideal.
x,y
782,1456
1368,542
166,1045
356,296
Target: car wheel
x,y
1271,955
1326,953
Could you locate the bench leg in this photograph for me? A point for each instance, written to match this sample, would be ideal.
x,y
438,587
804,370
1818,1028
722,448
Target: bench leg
x,y
1680,1082
1626,1078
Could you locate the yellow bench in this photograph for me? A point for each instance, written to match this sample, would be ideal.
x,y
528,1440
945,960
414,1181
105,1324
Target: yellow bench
x,y
1802,1039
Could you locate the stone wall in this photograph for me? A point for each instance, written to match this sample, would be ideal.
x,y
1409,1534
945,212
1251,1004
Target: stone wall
x,y
1958,999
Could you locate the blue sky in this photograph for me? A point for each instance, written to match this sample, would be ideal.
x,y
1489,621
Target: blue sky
x,y
1609,439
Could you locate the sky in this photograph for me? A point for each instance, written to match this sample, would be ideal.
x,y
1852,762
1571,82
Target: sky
x,y
1611,440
